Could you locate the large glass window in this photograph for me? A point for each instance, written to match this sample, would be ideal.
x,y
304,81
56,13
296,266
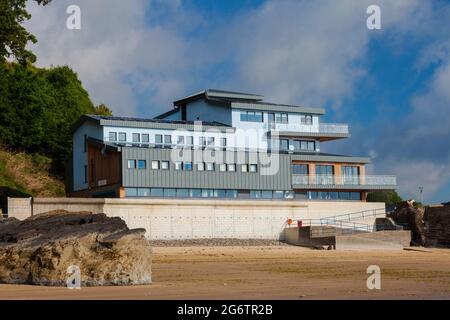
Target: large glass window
x,y
201,166
231,167
222,167
187,166
145,138
180,140
210,166
220,193
183,193
281,117
196,193
170,192
244,168
253,168
252,116
190,140
284,144
350,175
300,169
324,174
143,192
131,192
157,192
278,194
136,137
266,194
231,193
255,194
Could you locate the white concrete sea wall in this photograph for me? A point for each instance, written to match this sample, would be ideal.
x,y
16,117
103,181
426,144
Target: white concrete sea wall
x,y
174,219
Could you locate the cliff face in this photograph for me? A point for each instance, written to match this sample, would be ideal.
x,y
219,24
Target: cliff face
x,y
45,249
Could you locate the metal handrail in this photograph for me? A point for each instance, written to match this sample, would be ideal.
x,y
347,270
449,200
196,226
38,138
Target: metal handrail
x,y
357,215
331,179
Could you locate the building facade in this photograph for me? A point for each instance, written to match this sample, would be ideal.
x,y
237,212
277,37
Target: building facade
x,y
218,144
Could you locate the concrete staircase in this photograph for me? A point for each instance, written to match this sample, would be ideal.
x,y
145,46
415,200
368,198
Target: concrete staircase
x,y
342,233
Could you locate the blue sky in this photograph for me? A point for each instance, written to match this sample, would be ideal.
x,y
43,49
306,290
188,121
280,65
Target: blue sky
x,y
391,85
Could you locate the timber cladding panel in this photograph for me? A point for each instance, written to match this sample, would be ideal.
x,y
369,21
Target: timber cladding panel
x,y
172,178
103,168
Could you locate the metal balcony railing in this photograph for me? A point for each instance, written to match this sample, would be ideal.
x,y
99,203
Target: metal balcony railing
x,y
333,128
325,128
367,180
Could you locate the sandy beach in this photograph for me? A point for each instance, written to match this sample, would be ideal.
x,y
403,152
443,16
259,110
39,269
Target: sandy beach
x,y
271,272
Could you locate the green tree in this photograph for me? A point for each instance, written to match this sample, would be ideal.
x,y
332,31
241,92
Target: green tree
x,y
390,198
38,108
102,110
13,36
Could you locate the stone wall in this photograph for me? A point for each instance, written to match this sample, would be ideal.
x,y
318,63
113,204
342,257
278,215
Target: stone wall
x,y
437,226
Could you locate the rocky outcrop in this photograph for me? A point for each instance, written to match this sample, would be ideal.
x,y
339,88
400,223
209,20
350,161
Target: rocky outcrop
x,y
410,218
40,249
437,226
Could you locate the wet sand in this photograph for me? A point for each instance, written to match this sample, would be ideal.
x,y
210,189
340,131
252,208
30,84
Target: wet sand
x,y
271,272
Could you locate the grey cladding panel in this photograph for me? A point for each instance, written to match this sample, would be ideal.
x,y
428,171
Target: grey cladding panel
x,y
172,178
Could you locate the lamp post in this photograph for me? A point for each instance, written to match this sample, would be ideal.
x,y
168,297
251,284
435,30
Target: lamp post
x,y
421,195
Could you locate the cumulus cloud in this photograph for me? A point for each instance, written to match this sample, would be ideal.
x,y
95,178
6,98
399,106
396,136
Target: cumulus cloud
x,y
308,52
118,54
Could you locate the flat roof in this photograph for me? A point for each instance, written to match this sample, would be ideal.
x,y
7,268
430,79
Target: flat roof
x,y
147,123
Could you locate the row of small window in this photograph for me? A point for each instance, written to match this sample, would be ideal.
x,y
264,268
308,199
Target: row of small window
x,y
333,195
202,166
207,193
165,139
180,193
273,117
297,144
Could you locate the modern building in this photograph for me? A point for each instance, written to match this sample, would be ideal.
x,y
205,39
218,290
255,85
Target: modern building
x,y
218,144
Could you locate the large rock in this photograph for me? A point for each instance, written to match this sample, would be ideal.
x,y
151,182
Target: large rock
x,y
40,249
411,219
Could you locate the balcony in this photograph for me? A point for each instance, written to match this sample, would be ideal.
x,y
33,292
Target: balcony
x,y
322,131
369,182
340,128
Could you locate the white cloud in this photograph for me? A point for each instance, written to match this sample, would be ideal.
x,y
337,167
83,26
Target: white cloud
x,y
309,52
113,49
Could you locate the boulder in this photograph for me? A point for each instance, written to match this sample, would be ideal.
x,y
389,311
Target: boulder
x,y
410,218
41,249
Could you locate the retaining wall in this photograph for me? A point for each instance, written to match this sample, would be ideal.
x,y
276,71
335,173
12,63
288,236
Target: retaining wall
x,y
168,219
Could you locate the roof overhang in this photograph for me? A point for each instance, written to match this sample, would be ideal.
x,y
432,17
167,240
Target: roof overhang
x,y
166,125
329,158
276,107
316,135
